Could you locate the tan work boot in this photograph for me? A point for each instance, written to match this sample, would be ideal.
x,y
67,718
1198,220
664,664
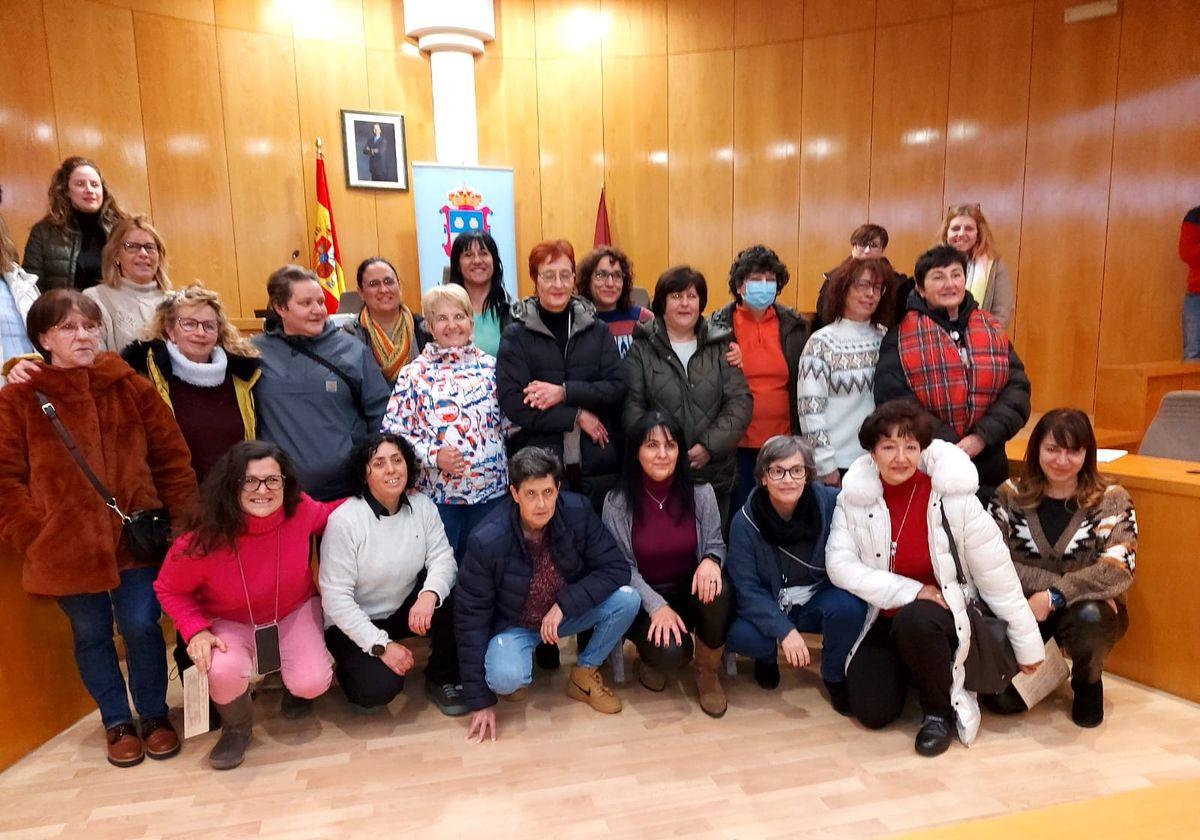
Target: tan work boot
x,y
587,685
708,684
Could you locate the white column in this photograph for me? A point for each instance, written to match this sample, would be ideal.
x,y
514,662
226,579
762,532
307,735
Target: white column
x,y
453,34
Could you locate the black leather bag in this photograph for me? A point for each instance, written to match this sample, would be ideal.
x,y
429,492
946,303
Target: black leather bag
x,y
148,531
991,663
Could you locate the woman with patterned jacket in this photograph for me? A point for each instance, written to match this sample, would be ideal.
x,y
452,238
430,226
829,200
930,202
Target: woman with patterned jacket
x,y
1073,538
445,404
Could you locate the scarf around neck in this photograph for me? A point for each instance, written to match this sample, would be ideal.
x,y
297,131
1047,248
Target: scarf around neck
x,y
199,374
391,351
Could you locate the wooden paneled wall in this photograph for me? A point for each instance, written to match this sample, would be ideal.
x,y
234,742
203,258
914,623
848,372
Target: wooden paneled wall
x,y
716,124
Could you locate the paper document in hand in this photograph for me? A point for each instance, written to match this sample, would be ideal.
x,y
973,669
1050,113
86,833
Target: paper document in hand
x,y
1035,687
195,702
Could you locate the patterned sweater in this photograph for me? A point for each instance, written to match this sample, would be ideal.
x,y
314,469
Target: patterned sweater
x,y
1093,559
447,397
835,392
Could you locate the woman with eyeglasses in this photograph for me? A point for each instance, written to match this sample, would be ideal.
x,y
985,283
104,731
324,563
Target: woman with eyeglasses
x,y
559,376
837,367
385,324
475,265
606,279
240,590
966,230
776,565
74,546
133,269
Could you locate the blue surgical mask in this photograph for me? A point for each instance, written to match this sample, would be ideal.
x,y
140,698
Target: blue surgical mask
x,y
760,293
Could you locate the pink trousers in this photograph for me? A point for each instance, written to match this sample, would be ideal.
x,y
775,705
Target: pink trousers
x,y
307,668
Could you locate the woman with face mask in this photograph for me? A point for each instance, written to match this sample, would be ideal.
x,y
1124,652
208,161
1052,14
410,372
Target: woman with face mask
x,y
769,338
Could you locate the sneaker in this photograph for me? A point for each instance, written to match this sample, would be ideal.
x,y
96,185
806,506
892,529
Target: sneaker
x,y
933,738
547,656
588,686
159,738
124,745
448,698
1087,709
294,707
766,674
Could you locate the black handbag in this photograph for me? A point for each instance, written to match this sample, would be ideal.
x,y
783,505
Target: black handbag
x,y
991,663
148,531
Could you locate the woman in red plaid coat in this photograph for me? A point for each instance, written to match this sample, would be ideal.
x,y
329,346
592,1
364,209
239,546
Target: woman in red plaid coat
x,y
957,362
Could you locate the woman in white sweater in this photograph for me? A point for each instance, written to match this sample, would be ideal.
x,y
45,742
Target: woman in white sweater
x,y
899,507
386,574
835,391
133,265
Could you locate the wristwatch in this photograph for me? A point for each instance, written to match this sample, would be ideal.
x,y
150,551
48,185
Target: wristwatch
x,y
377,650
1057,601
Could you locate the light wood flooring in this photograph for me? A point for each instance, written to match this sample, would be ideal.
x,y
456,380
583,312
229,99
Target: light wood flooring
x,y
779,764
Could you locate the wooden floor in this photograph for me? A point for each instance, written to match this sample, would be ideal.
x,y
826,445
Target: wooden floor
x,y
779,764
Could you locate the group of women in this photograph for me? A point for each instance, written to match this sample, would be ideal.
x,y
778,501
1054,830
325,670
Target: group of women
x,y
762,483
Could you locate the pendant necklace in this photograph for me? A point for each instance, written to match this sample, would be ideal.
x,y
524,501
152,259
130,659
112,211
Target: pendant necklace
x,y
659,502
903,519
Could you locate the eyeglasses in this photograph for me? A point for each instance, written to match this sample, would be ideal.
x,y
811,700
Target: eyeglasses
x,y
384,283
134,247
867,286
251,484
563,278
190,325
601,276
777,473
691,295
91,328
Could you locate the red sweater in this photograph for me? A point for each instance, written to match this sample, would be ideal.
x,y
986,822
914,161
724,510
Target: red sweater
x,y
911,533
1189,248
194,590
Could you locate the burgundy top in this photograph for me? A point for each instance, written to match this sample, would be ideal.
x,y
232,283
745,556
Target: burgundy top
x,y
911,533
210,420
665,550
544,584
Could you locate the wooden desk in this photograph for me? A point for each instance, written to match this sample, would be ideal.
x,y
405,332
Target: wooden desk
x,y
1127,396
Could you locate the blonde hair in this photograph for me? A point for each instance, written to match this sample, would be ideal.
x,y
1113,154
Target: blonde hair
x,y
8,249
984,243
447,293
111,272
228,337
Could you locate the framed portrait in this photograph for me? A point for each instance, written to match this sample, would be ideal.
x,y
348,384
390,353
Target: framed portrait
x,y
376,157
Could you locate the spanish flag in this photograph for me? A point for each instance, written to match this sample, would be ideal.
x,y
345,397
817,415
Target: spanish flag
x,y
327,255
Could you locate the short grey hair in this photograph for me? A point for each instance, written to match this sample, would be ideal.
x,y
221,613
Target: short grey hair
x,y
780,447
445,295
533,462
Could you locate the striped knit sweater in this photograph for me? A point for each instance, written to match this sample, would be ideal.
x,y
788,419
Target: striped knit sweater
x,y
835,390
1093,559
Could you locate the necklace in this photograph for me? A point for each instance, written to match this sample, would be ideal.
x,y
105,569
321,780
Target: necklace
x,y
903,519
659,502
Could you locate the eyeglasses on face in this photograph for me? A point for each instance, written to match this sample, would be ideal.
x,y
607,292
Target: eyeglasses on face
x,y
867,287
616,276
190,325
252,484
563,278
795,473
381,283
134,247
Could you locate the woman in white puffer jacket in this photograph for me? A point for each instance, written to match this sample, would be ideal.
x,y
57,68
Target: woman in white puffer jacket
x,y
889,547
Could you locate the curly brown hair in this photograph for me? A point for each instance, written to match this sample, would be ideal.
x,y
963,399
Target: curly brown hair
x,y
587,267
60,197
843,277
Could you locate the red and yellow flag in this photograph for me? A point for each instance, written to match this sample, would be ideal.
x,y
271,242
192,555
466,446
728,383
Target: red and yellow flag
x,y
327,255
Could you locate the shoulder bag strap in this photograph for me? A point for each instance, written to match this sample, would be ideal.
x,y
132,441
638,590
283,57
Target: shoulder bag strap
x,y
355,392
69,442
962,579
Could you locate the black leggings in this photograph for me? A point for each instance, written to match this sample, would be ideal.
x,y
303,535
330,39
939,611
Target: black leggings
x,y
1087,630
915,645
708,621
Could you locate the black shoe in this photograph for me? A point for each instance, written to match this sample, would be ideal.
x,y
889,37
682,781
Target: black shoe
x,y
294,707
1007,702
546,656
1087,709
839,697
766,674
448,698
933,738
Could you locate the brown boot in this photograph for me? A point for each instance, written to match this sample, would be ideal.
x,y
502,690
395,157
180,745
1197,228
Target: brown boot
x,y
708,684
587,685
237,718
124,745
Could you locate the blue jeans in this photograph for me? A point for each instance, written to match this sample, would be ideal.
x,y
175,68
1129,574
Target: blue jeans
x,y
137,612
1191,326
743,482
834,613
460,520
508,664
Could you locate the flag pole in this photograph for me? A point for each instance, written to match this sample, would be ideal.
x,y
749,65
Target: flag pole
x,y
320,149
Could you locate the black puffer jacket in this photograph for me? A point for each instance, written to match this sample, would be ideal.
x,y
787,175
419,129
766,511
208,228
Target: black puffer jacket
x,y
594,378
1006,416
793,335
496,572
710,400
51,254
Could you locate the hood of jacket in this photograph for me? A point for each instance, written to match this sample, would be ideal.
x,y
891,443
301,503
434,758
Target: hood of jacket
x,y
275,329
81,383
137,356
707,332
789,319
583,313
948,467
916,303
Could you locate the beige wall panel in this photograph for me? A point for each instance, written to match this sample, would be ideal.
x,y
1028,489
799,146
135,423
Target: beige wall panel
x,y
767,21
99,115
253,15
908,129
571,143
567,28
891,12
28,138
835,154
832,17
262,142
185,150
514,30
197,11
635,161
506,96
340,21
400,82
989,106
331,77
1065,206
1155,180
383,27
700,171
697,25
766,143
634,27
